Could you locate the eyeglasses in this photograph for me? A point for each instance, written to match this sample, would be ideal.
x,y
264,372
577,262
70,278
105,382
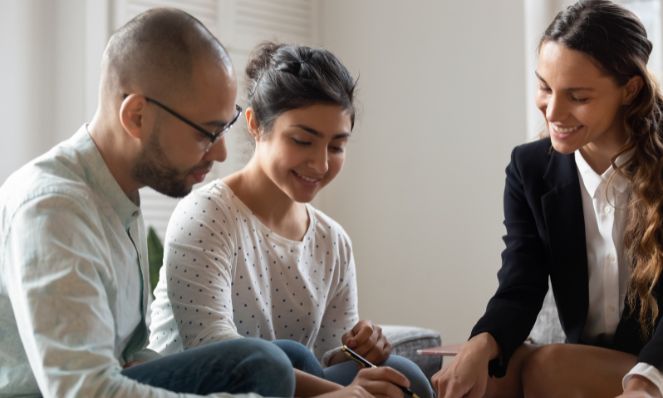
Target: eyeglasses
x,y
211,136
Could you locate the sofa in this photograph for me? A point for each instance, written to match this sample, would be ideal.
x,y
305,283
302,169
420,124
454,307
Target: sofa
x,y
405,340
547,329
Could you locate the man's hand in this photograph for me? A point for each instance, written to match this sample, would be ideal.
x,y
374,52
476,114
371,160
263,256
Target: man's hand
x,y
379,382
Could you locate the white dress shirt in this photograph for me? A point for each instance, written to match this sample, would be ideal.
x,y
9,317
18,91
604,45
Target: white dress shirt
x,y
227,275
604,201
73,279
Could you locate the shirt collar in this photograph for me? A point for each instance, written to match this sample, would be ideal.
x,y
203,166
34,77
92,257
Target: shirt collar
x,y
101,180
592,180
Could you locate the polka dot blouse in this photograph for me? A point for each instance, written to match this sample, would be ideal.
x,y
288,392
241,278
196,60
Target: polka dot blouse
x,y
227,275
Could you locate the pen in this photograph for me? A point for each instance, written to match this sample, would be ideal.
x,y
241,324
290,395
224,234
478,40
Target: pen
x,y
365,363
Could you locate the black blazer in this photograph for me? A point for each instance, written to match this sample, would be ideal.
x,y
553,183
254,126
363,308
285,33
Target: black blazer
x,y
545,237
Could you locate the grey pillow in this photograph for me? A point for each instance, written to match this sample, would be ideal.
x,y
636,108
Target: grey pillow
x,y
406,340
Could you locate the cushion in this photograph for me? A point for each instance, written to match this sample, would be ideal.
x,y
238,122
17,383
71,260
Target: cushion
x,y
548,329
406,340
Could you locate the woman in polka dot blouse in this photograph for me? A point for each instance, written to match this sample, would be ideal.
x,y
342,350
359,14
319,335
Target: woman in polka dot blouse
x,y
248,256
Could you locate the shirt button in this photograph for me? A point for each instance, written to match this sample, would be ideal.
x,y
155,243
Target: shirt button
x,y
611,258
607,209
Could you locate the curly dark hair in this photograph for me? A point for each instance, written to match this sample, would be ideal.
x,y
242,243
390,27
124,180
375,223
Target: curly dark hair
x,y
616,39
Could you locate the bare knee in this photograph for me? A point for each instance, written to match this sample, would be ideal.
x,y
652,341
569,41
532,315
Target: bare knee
x,y
510,385
542,371
575,370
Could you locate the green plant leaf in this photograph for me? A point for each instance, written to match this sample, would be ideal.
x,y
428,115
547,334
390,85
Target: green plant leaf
x,y
154,255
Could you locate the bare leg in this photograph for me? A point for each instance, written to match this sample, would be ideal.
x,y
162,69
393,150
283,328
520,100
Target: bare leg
x,y
572,370
511,384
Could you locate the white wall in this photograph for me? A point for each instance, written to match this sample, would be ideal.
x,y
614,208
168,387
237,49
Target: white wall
x,y
41,75
442,99
442,102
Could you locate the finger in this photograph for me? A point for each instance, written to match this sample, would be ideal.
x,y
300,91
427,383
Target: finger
x,y
377,336
438,381
347,339
381,349
377,354
379,381
383,389
391,375
451,392
361,392
386,345
366,347
361,324
366,340
455,390
440,387
356,392
362,331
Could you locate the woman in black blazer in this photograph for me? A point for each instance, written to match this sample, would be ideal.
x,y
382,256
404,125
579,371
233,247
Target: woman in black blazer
x,y
582,207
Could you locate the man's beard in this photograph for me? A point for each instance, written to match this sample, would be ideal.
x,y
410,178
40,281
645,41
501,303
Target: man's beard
x,y
153,169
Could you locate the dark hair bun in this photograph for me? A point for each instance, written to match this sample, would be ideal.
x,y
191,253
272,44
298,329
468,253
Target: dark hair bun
x,y
260,59
283,77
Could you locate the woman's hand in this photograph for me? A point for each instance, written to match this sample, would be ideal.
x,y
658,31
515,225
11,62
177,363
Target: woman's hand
x,y
348,392
308,385
640,387
379,382
367,340
467,375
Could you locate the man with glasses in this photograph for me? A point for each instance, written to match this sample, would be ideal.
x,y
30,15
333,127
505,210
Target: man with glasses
x,y
74,285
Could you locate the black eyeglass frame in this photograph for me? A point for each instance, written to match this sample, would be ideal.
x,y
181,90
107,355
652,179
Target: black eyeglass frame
x,y
211,136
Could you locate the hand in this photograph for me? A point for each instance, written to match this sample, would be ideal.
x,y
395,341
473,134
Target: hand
x,y
467,375
640,387
132,363
381,381
348,392
308,385
367,340
635,394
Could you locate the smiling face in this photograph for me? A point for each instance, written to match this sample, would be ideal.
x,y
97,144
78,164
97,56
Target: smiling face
x,y
581,104
304,150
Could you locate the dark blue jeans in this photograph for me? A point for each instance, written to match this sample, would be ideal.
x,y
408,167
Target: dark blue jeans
x,y
343,373
233,366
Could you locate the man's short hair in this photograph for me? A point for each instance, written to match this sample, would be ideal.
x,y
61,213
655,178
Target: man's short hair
x,y
156,51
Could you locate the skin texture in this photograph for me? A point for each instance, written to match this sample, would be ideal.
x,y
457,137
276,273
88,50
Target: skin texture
x,y
582,107
303,151
367,340
175,150
143,145
372,382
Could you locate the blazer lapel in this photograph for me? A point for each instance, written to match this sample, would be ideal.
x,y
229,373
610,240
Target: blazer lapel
x,y
563,216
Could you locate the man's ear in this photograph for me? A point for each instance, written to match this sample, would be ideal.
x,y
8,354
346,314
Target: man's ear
x,y
632,89
131,115
252,123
